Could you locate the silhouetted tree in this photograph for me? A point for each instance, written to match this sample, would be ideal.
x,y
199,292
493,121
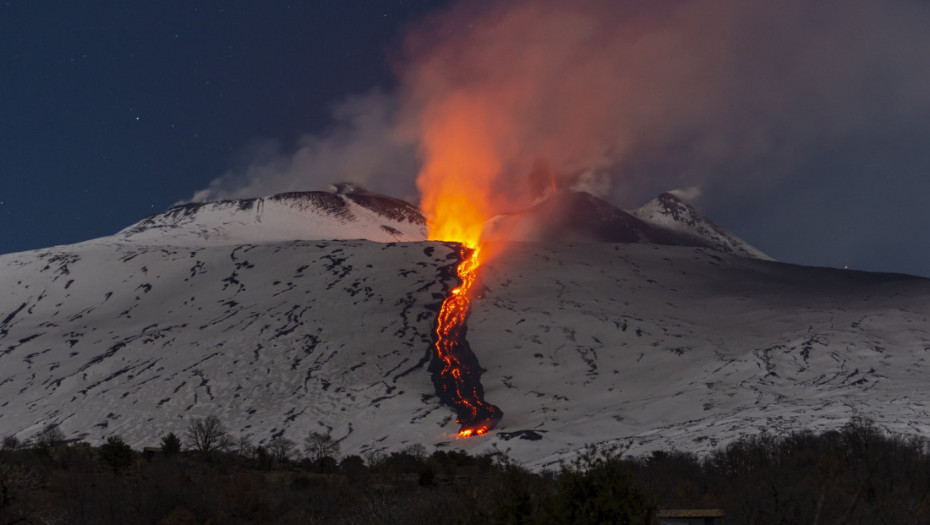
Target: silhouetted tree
x,y
244,447
373,458
263,457
318,446
207,435
227,443
353,467
855,475
50,436
517,496
116,453
595,489
417,451
281,448
10,442
170,444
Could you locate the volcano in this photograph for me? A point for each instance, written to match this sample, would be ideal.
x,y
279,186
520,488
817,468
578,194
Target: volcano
x,y
315,311
691,228
345,212
569,216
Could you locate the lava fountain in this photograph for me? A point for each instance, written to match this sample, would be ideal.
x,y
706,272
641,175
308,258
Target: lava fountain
x,y
455,203
458,195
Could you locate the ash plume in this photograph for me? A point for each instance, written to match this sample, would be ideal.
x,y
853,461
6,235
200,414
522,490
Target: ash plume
x,y
729,99
363,145
630,98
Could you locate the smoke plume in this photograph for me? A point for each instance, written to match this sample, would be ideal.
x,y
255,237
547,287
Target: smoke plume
x,y
630,98
726,98
363,145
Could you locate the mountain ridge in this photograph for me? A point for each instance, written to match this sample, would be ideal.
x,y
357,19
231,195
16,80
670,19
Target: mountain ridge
x,y
670,212
350,212
643,345
309,215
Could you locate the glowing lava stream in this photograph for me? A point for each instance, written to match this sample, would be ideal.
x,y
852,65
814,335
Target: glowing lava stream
x,y
458,381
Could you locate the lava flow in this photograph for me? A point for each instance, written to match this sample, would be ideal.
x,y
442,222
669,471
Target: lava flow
x,y
456,372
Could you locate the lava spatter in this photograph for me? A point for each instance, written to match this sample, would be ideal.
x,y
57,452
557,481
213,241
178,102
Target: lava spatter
x,y
455,369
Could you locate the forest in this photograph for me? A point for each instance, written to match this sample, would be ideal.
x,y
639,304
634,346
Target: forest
x,y
858,474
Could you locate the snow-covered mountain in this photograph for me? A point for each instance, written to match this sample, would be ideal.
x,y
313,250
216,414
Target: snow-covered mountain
x,y
653,344
274,337
349,212
345,213
671,213
688,348
582,217
574,216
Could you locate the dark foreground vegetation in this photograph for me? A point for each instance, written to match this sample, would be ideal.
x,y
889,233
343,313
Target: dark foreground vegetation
x,y
855,475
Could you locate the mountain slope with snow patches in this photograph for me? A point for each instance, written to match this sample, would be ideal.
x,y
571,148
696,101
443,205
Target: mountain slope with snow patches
x,y
349,212
671,213
309,215
568,216
650,345
134,340
671,347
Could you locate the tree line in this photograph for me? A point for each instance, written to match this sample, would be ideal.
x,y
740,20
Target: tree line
x,y
856,474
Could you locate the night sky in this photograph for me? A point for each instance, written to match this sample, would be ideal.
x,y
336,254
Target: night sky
x,y
112,111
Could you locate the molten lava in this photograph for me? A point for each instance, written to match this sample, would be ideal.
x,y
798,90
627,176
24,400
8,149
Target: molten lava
x,y
458,194
456,372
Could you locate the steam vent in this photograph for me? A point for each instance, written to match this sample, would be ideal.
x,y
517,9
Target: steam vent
x,y
455,369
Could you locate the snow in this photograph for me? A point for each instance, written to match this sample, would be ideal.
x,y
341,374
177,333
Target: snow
x,y
641,345
670,213
668,347
133,340
286,217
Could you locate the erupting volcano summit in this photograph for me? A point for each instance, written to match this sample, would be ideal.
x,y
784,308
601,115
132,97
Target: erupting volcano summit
x,y
652,328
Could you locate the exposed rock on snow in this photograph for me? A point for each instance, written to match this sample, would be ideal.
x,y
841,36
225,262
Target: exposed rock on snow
x,y
580,217
345,214
672,214
207,309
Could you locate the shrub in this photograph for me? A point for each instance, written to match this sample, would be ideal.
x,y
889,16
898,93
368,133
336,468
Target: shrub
x,y
281,448
50,436
596,488
10,442
116,453
170,444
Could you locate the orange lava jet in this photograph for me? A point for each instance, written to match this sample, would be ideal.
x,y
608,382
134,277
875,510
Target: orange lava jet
x,y
456,372
458,194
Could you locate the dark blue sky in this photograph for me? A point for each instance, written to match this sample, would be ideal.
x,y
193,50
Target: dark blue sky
x,y
111,111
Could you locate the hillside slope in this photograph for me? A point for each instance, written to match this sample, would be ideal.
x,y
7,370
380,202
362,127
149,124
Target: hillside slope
x,y
670,347
130,340
589,342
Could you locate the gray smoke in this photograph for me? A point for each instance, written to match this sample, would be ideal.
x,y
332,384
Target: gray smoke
x,y
736,103
363,145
